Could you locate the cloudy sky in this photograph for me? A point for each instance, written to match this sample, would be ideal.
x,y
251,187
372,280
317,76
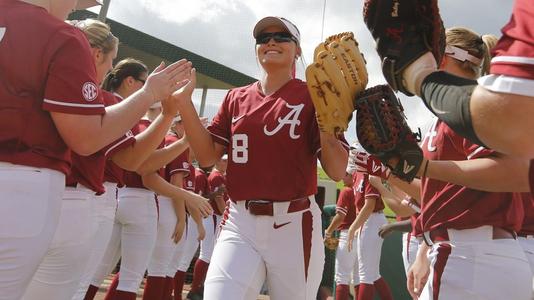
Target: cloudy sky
x,y
221,30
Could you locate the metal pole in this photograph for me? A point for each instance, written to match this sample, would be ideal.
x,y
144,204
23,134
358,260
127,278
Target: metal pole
x,y
102,15
203,101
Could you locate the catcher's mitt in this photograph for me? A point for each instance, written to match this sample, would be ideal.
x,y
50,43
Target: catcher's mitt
x,y
336,76
382,130
331,243
404,31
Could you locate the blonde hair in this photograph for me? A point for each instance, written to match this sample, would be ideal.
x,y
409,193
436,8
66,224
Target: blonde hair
x,y
99,34
474,44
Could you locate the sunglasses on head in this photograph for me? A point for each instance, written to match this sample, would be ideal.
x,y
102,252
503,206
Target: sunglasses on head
x,y
279,37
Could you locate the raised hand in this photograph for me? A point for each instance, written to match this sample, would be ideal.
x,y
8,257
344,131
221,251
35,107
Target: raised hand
x,y
163,81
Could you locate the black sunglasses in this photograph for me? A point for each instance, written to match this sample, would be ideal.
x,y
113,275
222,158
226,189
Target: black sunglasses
x,y
279,37
141,80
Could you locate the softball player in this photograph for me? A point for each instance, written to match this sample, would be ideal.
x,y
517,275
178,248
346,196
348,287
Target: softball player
x,y
189,244
346,261
468,233
67,111
368,220
167,222
216,183
271,228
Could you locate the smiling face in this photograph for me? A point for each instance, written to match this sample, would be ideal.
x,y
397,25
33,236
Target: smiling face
x,y
273,54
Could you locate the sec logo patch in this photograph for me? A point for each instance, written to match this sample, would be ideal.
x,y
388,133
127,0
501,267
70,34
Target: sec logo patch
x,y
89,91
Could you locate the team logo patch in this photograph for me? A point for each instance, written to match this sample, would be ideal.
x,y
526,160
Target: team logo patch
x,y
89,91
185,165
2,32
189,183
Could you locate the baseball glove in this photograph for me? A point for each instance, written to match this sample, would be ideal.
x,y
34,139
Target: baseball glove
x,y
331,243
383,132
404,31
336,76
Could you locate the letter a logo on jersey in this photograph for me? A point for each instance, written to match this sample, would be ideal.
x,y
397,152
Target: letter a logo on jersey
x,y
2,32
291,119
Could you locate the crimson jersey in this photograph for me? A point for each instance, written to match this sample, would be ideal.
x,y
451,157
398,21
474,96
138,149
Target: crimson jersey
x,y
527,228
132,179
217,180
202,186
180,164
363,189
514,53
189,180
457,207
89,170
345,206
46,66
278,133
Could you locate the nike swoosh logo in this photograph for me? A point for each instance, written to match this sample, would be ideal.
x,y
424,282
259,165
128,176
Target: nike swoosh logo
x,y
235,119
276,226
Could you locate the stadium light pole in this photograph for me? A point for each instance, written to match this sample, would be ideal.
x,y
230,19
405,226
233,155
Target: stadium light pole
x,y
104,11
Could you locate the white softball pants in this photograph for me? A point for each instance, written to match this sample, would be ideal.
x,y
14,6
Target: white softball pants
x,y
285,249
165,246
30,203
474,266
61,270
527,243
347,262
212,226
370,248
105,206
410,245
132,239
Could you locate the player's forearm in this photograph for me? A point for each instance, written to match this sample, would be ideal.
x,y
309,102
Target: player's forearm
x,y
199,137
162,157
336,221
402,226
413,189
219,202
86,135
364,213
491,174
146,142
179,209
334,157
155,183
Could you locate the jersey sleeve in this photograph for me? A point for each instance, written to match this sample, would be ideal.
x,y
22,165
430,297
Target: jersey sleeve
x,y
370,190
215,183
221,123
71,82
179,165
121,143
343,201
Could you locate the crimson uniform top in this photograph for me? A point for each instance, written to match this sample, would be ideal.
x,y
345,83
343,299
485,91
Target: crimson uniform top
x,y
132,179
202,186
216,180
527,228
46,66
364,189
278,133
514,52
178,165
189,180
112,172
345,206
89,170
453,206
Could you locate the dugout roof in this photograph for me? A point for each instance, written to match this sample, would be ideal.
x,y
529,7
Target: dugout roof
x,y
151,50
